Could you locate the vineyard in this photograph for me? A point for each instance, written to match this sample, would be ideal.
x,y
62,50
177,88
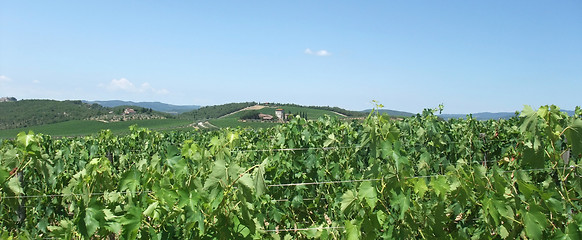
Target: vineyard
x,y
415,178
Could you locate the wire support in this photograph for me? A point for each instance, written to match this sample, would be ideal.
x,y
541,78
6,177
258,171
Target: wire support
x,y
320,183
305,199
71,194
301,229
292,149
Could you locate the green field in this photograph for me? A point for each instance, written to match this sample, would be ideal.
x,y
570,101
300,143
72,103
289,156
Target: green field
x,y
234,122
86,127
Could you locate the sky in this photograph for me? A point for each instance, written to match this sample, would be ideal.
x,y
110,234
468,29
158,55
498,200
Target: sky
x,y
470,56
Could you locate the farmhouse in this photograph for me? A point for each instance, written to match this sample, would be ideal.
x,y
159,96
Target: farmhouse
x,y
8,99
280,113
128,111
265,116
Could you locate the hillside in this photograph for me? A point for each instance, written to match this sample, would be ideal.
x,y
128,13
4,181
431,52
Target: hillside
x,y
216,111
480,116
391,113
490,115
156,106
26,113
250,116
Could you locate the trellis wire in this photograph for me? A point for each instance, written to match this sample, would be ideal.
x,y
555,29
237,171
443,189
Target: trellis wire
x,y
285,184
300,229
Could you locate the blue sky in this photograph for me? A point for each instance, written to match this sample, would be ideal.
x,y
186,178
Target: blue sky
x,y
472,56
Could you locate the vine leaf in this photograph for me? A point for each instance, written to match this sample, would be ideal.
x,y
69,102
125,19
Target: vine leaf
x,y
352,232
368,192
14,185
420,186
130,180
440,186
400,201
259,178
91,220
574,136
217,175
535,222
348,200
25,139
131,222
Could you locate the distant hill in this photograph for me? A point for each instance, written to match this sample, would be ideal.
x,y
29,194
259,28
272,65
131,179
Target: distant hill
x,y
392,113
156,106
26,113
481,115
216,111
490,115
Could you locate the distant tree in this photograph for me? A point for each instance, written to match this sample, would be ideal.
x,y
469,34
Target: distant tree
x,y
254,114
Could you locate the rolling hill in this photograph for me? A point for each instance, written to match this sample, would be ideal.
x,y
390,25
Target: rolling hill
x,y
392,113
156,106
490,115
26,113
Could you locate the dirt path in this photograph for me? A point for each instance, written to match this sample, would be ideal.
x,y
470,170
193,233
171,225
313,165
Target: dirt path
x,y
255,107
205,125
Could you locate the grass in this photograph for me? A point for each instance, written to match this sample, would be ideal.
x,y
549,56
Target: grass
x,y
312,114
86,127
233,120
233,123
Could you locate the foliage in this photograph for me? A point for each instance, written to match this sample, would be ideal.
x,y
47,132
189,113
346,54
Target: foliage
x,y
252,114
210,112
28,113
339,110
420,177
25,113
89,127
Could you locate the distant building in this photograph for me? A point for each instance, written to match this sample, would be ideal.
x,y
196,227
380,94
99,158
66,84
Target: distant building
x,y
280,113
265,116
128,111
8,99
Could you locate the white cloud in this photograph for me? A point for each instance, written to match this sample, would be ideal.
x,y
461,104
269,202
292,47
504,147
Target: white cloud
x,y
321,53
125,85
36,81
4,78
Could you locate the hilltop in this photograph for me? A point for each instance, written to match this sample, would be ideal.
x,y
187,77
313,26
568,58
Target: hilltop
x,y
26,113
156,106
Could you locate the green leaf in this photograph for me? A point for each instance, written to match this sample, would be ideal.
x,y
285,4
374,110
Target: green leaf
x,y
420,186
24,139
368,192
150,209
131,222
440,186
93,216
533,158
130,180
4,174
217,176
348,199
535,222
352,231
574,136
259,179
530,119
246,181
14,185
503,233
401,202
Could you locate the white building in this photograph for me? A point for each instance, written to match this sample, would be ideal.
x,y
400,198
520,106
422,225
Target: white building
x,y
280,113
